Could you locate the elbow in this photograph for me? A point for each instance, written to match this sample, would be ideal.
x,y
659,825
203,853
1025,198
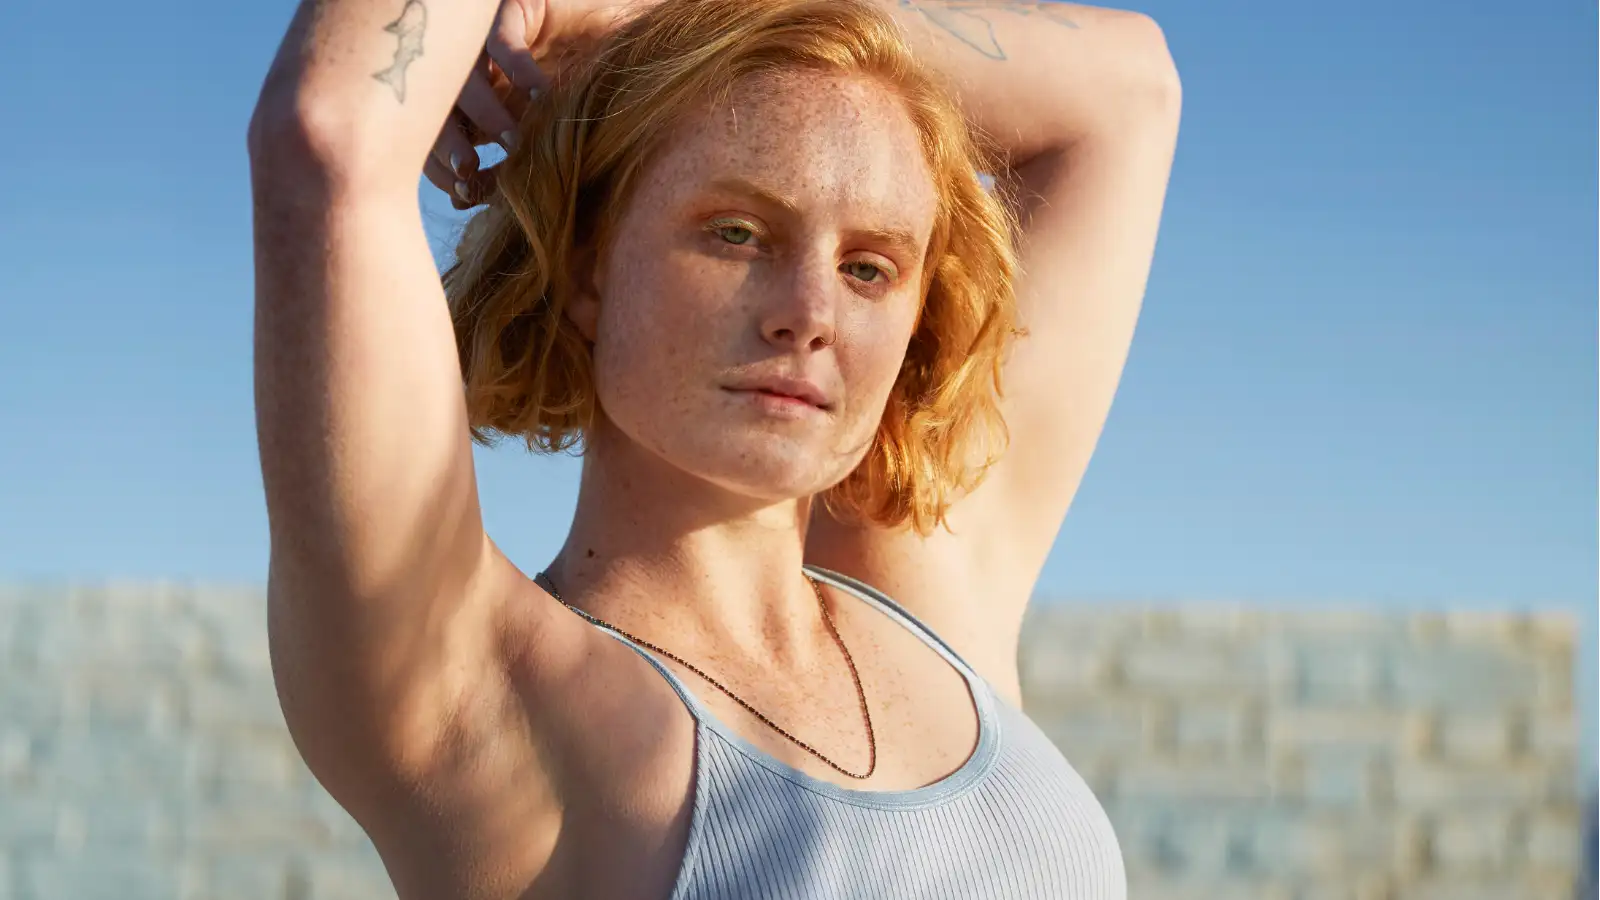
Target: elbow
x,y
1161,71
291,139
285,136
1150,85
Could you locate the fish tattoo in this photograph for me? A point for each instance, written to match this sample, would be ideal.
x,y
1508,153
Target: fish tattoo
x,y
964,19
408,29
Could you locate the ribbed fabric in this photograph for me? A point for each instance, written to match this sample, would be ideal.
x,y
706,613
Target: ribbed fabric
x,y
1015,821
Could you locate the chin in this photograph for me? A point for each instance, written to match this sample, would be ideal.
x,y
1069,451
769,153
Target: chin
x,y
765,465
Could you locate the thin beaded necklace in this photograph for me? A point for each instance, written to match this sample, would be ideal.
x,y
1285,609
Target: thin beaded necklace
x,y
872,744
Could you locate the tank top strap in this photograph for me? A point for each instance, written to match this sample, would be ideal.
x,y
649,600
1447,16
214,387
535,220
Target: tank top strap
x,y
687,696
894,611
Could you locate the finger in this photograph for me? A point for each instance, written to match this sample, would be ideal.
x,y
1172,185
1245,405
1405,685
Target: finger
x,y
516,28
454,149
514,99
464,193
483,108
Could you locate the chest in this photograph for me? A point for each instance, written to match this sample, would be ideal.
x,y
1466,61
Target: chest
x,y
629,835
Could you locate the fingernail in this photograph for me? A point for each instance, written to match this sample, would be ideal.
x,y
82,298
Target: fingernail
x,y
464,192
508,139
455,164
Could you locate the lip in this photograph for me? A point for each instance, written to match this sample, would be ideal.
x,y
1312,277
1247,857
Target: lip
x,y
793,388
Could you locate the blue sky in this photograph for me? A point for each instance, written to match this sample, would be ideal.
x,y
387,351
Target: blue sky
x,y
1366,372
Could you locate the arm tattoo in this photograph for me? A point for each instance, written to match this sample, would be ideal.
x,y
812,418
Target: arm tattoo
x,y
408,30
966,19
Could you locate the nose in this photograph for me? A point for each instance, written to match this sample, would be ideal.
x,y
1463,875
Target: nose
x,y
803,312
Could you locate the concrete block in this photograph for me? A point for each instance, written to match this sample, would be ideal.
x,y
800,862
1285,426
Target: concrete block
x,y
16,758
1323,845
1553,841
127,764
1487,737
123,638
268,821
1048,671
1215,728
1556,679
1188,670
1241,781
271,875
27,819
1553,631
30,700
121,701
254,758
1353,887
226,702
1216,624
1351,624
1092,727
1338,778
1459,678
1154,886
94,824
1335,674
1349,730
349,877
1481,842
1065,625
1426,786
1508,887
1197,845
1491,627
109,875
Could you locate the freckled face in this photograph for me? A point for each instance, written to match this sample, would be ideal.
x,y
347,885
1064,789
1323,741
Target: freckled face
x,y
782,234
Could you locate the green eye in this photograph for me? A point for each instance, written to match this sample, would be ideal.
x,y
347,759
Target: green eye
x,y
858,266
724,229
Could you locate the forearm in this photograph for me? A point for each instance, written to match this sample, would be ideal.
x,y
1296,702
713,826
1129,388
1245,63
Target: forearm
x,y
1037,76
365,85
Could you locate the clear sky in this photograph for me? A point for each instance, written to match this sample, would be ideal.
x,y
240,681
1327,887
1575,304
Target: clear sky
x,y
1365,374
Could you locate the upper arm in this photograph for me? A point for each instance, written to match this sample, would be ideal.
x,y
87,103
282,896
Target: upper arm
x,y
376,709
391,613
1089,211
418,740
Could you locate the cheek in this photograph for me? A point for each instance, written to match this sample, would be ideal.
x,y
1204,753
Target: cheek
x,y
656,323
875,349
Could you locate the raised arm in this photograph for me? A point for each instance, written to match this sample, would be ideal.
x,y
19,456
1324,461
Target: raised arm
x,y
1086,102
385,595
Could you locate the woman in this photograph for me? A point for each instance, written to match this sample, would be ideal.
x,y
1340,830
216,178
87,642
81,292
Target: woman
x,y
738,250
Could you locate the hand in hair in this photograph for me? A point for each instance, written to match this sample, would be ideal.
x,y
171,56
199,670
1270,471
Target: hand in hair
x,y
531,40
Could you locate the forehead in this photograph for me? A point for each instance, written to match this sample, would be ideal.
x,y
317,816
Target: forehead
x,y
831,143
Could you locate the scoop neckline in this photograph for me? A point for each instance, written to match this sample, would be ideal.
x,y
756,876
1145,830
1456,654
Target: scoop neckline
x,y
971,771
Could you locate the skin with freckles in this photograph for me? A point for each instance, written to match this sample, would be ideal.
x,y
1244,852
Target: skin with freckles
x,y
706,283
781,233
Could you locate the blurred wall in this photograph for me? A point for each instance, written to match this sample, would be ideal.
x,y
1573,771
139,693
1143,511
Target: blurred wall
x,y
1241,754
1299,754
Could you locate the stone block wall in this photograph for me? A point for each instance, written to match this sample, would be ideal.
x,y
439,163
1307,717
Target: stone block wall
x,y
143,755
1298,755
1242,754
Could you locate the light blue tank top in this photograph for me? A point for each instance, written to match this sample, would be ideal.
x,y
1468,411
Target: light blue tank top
x,y
1015,821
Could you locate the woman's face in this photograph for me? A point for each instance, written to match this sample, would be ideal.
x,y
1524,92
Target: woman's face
x,y
779,237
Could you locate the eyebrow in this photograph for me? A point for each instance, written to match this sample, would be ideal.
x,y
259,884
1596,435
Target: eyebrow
x,y
899,238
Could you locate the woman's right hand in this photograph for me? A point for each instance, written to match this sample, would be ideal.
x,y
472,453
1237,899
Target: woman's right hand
x,y
530,40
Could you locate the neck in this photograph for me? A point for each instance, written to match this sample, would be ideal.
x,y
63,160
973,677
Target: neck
x,y
688,564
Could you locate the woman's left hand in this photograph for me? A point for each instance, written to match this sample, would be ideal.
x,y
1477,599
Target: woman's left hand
x,y
530,40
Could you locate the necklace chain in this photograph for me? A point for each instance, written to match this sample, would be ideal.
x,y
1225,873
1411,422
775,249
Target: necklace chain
x,y
872,745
